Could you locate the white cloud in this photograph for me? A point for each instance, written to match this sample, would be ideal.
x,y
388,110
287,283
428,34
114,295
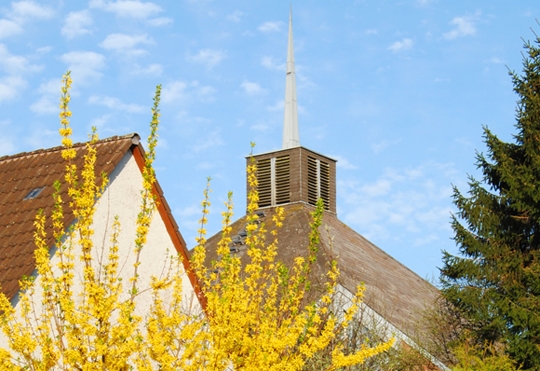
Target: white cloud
x,y
206,165
407,201
192,122
126,44
84,66
260,126
173,92
14,64
14,67
116,104
180,91
441,80
9,142
159,22
402,45
187,218
235,16
496,60
425,240
9,28
380,188
210,140
271,64
45,105
189,211
20,13
380,146
11,87
77,24
207,57
203,92
9,146
252,88
343,163
127,8
464,26
48,102
279,106
23,11
270,26
43,50
101,121
51,87
153,69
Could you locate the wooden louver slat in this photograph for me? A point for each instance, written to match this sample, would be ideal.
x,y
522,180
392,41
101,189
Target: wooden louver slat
x,y
283,180
264,179
274,181
318,182
324,183
312,181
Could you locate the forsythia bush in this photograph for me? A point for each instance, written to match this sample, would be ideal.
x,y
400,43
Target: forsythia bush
x,y
488,357
255,316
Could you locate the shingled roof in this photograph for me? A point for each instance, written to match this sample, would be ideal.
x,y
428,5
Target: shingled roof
x,y
392,290
294,178
26,186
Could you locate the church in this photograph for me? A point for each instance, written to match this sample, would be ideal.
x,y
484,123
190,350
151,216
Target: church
x,y
294,178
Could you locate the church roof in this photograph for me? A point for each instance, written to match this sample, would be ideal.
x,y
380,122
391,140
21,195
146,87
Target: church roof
x,y
392,290
295,178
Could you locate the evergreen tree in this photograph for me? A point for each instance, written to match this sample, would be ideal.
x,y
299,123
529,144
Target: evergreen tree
x,y
495,282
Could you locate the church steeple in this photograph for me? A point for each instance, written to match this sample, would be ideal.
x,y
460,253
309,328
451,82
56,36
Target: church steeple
x,y
291,137
294,173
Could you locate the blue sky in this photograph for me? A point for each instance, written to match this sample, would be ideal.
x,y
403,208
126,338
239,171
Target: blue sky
x,y
397,91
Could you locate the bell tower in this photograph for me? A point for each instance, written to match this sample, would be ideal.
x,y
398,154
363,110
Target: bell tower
x,y
294,173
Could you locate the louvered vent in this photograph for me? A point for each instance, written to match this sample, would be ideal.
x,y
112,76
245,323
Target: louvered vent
x,y
283,180
274,181
318,182
313,193
324,183
264,179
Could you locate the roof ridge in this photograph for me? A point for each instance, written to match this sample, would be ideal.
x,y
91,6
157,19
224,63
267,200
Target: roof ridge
x,y
133,136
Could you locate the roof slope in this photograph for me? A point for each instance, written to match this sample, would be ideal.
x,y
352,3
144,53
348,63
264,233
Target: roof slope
x,y
392,290
24,172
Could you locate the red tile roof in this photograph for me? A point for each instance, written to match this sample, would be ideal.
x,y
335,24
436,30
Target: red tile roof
x,y
24,172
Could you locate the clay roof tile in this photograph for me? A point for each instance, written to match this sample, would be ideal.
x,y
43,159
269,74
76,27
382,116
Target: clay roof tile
x,y
24,172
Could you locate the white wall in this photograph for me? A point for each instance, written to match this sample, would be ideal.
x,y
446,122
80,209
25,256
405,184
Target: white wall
x,y
374,321
122,197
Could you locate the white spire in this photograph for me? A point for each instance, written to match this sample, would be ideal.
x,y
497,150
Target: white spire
x,y
290,122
